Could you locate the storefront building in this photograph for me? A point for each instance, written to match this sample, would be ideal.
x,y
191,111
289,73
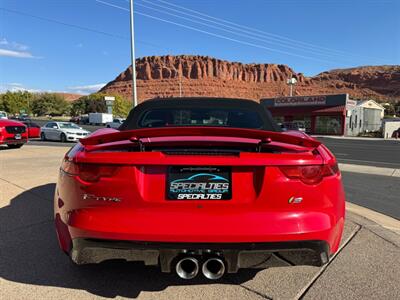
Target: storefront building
x,y
321,114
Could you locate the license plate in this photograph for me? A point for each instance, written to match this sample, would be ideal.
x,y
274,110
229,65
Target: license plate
x,y
199,183
17,136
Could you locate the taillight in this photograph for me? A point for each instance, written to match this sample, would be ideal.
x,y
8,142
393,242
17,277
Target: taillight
x,y
93,172
88,172
85,171
311,174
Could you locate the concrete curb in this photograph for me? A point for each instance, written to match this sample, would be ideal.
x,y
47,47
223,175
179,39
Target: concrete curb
x,y
369,170
386,222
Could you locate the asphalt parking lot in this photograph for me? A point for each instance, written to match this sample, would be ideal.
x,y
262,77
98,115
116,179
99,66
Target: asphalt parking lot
x,y
32,267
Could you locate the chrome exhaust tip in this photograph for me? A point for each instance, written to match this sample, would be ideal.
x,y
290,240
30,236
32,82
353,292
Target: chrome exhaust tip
x,y
213,268
187,268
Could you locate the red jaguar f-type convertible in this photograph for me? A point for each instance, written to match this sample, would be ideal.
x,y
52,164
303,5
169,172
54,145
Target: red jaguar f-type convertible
x,y
198,185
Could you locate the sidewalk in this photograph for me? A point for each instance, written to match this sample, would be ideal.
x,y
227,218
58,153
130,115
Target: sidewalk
x,y
369,170
367,267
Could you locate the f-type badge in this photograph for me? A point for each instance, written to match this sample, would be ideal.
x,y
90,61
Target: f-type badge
x,y
98,198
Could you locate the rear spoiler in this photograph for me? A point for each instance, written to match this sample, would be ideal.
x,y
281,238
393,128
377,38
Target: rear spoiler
x,y
137,134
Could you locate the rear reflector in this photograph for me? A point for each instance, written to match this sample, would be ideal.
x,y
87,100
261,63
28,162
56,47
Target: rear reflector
x,y
311,174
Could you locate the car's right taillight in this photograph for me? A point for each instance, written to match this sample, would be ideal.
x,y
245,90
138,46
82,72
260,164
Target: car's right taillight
x,y
310,174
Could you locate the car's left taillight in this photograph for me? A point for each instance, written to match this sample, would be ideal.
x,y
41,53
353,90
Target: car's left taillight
x,y
88,172
310,174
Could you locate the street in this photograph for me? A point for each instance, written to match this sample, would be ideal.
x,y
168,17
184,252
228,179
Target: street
x,y
379,193
379,153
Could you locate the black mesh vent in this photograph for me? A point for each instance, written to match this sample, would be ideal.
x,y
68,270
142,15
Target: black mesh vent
x,y
202,152
15,129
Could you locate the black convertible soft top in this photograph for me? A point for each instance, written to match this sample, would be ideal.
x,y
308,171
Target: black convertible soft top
x,y
165,105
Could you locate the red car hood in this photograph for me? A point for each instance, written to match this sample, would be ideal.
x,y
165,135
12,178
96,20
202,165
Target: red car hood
x,y
4,123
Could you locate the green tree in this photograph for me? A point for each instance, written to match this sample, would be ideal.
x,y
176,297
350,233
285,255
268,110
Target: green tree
x,y
50,104
78,107
15,102
89,104
121,107
95,103
1,102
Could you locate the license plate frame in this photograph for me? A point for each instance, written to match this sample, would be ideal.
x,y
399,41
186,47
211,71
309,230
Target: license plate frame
x,y
198,183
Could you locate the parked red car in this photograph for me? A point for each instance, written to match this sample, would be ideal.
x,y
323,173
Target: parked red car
x,y
12,133
33,129
198,185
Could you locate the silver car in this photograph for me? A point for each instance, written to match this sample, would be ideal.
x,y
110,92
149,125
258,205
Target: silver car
x,y
115,123
62,131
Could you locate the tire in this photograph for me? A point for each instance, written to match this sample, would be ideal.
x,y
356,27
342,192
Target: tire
x,y
15,146
63,138
43,137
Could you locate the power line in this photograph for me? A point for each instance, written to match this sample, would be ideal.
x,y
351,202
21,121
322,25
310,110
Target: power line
x,y
214,34
283,44
264,33
246,33
73,26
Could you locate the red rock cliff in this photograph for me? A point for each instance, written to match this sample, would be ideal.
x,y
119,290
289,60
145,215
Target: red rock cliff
x,y
205,76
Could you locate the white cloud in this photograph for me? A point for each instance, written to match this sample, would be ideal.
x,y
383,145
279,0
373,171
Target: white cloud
x,y
16,87
14,49
13,45
18,54
87,89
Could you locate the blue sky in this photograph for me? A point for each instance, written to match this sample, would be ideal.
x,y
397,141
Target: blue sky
x,y
78,45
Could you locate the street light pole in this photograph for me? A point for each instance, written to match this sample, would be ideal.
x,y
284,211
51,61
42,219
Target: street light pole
x,y
134,91
291,82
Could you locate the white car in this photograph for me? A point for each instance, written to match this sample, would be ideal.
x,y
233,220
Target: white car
x,y
3,115
62,131
115,123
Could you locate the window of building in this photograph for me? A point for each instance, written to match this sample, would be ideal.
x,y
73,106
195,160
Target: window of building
x,y
328,125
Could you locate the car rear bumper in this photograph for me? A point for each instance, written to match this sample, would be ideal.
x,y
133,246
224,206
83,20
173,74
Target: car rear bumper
x,y
186,225
236,255
91,236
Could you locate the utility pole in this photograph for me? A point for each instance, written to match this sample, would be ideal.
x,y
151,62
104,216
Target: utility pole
x,y
134,90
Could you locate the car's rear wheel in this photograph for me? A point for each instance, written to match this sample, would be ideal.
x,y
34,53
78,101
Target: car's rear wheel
x,y
15,146
63,138
42,136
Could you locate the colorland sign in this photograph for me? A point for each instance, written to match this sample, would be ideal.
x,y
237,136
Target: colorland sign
x,y
299,101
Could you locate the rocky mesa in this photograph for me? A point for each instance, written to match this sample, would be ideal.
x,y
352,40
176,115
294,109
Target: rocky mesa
x,y
188,75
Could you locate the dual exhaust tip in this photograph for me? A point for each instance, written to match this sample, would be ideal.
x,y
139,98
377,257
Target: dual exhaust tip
x,y
188,268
